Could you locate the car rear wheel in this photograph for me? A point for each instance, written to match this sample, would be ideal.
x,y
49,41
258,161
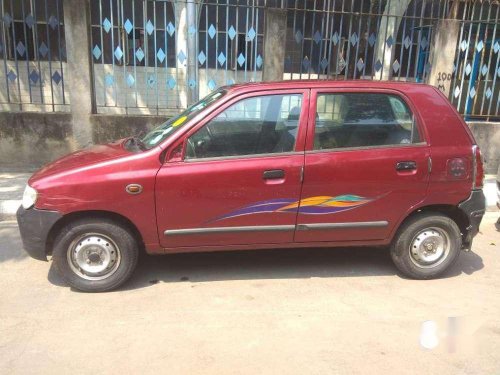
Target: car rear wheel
x,y
95,255
426,246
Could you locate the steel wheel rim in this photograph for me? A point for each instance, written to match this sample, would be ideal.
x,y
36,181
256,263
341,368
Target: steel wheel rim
x,y
430,247
94,256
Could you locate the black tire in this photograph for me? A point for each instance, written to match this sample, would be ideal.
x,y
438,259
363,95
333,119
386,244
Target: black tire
x,y
401,251
70,237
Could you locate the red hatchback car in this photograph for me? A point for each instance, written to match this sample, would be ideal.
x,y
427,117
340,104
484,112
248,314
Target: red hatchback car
x,y
267,165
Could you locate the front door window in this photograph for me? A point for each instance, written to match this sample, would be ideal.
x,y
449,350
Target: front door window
x,y
253,126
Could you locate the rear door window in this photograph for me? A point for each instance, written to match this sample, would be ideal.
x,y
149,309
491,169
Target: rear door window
x,y
347,120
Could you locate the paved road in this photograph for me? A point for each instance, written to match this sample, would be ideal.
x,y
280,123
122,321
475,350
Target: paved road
x,y
298,311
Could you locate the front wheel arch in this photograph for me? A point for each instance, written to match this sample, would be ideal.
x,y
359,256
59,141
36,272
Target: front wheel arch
x,y
93,214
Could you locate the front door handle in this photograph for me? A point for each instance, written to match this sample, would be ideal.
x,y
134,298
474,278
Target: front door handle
x,y
406,165
273,174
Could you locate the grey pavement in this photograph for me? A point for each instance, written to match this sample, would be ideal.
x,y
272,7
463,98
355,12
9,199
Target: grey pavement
x,y
310,311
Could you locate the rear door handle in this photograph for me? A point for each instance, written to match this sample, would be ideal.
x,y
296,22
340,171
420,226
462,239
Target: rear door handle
x,y
273,174
406,165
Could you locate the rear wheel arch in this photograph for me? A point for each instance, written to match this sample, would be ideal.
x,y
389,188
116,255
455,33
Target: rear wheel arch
x,y
453,212
93,214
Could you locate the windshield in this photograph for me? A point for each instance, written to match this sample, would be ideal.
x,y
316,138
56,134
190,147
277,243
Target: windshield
x,y
165,130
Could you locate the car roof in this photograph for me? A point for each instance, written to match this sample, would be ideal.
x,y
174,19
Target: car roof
x,y
324,83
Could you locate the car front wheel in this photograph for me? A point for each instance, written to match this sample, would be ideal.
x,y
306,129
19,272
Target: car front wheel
x,y
95,255
426,246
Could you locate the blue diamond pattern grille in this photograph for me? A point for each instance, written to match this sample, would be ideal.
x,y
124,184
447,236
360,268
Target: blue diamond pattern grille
x,y
317,37
259,61
170,29
390,41
96,52
251,34
407,42
192,30
306,63
161,55
354,39
378,65
202,58
299,36
118,53
34,76
456,92
395,66
424,43
496,47
151,81
11,76
468,69
30,21
212,31
372,39
171,83
360,65
7,19
192,83
480,46
230,81
221,59
211,84
128,26
130,80
109,80
324,63
488,93
150,27
56,77
231,33
484,70
53,22
472,92
43,49
107,25
181,56
20,48
139,54
335,38
241,59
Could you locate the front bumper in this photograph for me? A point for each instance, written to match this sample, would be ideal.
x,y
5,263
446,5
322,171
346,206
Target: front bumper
x,y
474,208
34,226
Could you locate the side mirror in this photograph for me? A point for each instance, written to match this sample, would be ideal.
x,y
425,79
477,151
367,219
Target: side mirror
x,y
175,155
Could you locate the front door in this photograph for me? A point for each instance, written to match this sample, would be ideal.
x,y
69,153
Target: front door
x,y
366,164
240,168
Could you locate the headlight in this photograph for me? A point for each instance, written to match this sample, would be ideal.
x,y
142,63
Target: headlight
x,y
29,197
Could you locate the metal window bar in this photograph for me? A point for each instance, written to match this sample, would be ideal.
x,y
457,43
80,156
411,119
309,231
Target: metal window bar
x,y
31,44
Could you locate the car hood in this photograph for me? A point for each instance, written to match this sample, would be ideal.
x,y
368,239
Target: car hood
x,y
83,158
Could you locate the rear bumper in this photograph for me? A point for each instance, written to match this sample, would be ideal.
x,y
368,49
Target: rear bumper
x,y
474,208
34,226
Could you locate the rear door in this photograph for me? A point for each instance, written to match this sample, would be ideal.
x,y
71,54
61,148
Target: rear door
x,y
241,166
366,164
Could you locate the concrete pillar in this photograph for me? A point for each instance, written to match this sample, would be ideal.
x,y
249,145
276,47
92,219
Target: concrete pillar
x,y
78,73
192,52
443,54
389,25
181,47
274,44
